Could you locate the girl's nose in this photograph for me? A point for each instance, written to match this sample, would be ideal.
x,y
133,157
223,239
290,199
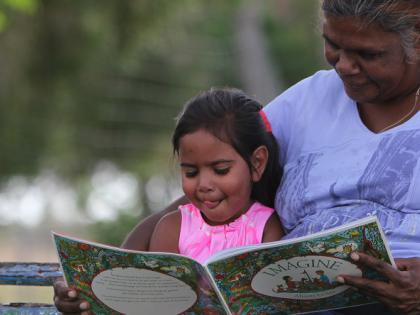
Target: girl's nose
x,y
205,184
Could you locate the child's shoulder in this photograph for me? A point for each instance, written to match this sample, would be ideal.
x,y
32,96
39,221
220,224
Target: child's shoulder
x,y
171,219
257,209
166,233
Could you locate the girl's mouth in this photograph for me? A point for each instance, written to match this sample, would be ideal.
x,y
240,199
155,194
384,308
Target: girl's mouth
x,y
211,204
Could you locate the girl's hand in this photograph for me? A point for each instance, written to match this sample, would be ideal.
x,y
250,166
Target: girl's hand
x,y
401,294
67,301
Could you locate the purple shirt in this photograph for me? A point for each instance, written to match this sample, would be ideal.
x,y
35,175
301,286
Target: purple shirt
x,y
336,170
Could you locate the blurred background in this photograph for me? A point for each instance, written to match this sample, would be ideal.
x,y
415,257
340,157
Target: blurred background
x,y
89,92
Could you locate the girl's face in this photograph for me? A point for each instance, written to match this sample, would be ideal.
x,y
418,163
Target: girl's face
x,y
215,178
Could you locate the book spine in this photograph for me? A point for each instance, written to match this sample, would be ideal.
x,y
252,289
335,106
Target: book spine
x,y
219,294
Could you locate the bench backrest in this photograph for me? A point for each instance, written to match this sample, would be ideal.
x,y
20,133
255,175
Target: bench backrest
x,y
31,274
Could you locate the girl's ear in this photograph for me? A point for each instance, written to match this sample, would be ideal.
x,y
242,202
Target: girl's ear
x,y
259,160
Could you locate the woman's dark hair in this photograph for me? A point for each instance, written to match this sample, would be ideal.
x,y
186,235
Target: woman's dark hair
x,y
399,16
234,118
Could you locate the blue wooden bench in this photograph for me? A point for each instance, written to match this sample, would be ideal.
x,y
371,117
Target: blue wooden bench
x,y
30,274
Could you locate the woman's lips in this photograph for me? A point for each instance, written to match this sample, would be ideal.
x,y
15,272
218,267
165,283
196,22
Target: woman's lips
x,y
354,85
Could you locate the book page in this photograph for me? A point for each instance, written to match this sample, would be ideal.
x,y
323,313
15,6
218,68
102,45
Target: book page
x,y
298,276
126,282
127,290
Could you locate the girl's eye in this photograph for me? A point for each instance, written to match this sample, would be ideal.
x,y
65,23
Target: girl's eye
x,y
221,171
190,174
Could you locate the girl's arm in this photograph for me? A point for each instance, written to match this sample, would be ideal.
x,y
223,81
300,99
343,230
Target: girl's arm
x,y
165,237
139,237
273,230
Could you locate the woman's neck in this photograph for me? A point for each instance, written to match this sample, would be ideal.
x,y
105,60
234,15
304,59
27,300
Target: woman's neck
x,y
379,117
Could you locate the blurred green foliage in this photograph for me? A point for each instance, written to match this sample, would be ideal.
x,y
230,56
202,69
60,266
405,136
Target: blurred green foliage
x,y
201,56
113,233
295,38
81,84
25,6
83,81
10,7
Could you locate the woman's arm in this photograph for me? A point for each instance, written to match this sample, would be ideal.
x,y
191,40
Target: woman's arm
x,y
401,294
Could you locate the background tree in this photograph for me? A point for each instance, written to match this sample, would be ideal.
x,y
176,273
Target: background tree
x,y
85,84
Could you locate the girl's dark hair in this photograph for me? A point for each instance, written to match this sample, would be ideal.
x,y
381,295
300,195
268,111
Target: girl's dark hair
x,y
234,118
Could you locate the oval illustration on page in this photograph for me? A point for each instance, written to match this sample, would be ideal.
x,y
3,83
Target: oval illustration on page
x,y
134,291
303,278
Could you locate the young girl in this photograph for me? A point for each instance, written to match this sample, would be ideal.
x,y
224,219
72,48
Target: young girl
x,y
229,165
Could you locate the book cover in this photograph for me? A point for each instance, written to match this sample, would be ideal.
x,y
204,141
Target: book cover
x,y
285,277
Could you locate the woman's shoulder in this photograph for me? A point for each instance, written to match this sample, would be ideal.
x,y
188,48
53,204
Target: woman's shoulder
x,y
323,82
303,101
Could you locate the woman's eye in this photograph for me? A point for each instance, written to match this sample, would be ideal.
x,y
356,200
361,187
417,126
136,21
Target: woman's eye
x,y
221,171
331,44
369,55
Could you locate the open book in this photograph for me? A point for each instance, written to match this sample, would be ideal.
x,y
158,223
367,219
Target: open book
x,y
284,277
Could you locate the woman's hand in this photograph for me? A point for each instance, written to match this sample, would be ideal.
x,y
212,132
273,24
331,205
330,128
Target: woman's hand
x,y
67,301
401,294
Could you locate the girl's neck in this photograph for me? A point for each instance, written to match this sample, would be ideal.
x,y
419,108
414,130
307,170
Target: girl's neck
x,y
232,219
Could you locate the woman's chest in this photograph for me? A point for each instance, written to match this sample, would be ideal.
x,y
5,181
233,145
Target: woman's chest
x,y
384,170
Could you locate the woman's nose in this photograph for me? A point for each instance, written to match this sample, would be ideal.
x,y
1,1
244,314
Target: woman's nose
x,y
346,64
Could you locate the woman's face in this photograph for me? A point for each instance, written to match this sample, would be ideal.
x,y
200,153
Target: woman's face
x,y
370,61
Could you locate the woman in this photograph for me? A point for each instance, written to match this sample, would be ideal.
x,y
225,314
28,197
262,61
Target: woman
x,y
350,140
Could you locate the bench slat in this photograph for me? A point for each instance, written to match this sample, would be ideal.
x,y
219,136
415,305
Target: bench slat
x,y
28,309
19,273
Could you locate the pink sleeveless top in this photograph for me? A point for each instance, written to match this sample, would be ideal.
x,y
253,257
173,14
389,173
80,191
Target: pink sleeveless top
x,y
199,240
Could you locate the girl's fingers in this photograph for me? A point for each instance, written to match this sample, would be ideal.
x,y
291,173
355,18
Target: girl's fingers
x,y
69,307
66,300
63,292
78,313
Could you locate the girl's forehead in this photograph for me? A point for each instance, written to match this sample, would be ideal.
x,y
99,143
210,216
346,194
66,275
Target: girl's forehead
x,y
206,135
203,146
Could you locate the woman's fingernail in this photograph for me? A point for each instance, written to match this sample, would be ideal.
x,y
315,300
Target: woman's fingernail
x,y
354,256
340,279
72,294
84,305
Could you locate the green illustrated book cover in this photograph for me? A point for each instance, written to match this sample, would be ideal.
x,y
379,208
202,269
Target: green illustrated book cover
x,y
285,277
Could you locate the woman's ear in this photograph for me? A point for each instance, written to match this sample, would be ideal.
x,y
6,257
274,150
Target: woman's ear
x,y
259,160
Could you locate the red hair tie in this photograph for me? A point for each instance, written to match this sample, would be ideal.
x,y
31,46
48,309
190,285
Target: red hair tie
x,y
266,122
